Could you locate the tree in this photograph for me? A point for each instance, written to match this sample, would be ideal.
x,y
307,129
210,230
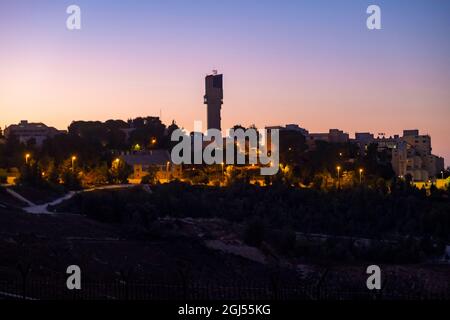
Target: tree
x,y
31,174
150,177
96,176
120,172
292,146
70,176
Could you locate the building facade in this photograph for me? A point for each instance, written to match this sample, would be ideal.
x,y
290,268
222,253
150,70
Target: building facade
x,y
26,132
332,136
159,160
214,99
411,154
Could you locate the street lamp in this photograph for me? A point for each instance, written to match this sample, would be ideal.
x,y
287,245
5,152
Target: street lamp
x,y
442,175
27,157
116,163
338,168
222,168
74,158
167,170
360,175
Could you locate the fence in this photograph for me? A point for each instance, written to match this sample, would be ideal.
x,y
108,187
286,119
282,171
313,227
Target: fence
x,y
53,289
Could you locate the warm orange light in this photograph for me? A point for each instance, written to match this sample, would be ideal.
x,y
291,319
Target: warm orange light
x,y
74,158
361,170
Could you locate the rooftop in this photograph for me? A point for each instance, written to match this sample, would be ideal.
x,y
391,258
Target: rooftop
x,y
152,157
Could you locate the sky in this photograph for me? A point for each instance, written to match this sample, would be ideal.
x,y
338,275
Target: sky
x,y
310,62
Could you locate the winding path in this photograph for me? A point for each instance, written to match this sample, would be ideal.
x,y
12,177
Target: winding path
x,y
43,208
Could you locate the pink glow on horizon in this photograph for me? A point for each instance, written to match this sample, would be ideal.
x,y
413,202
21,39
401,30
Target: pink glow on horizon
x,y
320,78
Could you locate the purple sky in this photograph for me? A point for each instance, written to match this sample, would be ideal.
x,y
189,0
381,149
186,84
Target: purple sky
x,y
308,62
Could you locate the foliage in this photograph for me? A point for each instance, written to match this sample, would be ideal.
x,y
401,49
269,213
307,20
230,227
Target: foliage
x,y
150,177
274,214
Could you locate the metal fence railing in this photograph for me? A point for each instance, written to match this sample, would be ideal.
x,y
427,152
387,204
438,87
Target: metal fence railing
x,y
119,290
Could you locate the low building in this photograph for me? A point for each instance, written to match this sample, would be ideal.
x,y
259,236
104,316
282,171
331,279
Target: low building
x,y
332,136
296,127
411,155
420,143
387,143
31,132
289,137
443,183
159,160
438,183
363,139
288,127
2,138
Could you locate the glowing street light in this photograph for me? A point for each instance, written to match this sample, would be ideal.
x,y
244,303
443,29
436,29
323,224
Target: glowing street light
x,y
116,163
338,168
27,157
74,158
360,175
223,164
442,175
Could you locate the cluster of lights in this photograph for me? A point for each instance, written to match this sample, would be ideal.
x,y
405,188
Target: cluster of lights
x,y
28,157
361,171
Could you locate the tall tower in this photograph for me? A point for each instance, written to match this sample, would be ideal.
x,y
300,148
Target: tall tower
x,y
214,99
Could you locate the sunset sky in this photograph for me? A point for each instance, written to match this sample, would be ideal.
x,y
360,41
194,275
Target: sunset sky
x,y
312,62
